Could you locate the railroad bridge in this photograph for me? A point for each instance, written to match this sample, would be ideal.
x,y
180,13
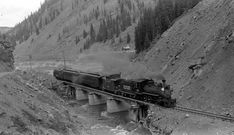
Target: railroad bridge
x,y
138,110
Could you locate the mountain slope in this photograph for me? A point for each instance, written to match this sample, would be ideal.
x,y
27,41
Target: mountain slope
x,y
196,56
65,26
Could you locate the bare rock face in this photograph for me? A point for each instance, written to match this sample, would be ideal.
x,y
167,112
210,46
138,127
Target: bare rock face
x,y
6,54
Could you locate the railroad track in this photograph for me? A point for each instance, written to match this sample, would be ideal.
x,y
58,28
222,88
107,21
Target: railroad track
x,y
177,108
204,113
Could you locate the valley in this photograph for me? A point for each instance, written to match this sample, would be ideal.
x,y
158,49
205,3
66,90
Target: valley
x,y
187,43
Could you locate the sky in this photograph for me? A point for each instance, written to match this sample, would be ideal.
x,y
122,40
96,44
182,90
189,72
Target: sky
x,y
15,11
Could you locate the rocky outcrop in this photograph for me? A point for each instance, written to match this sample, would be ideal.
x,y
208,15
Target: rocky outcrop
x,y
6,54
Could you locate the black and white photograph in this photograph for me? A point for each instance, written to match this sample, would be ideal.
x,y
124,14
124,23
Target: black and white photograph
x,y
116,67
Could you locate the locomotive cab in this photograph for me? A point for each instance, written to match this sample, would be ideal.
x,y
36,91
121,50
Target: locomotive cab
x,y
154,88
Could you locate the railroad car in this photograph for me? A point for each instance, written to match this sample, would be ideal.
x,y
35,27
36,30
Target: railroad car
x,y
92,80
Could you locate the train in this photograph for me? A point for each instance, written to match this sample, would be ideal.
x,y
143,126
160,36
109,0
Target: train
x,y
141,89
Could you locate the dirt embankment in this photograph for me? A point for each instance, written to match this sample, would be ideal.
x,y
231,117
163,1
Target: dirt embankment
x,y
27,109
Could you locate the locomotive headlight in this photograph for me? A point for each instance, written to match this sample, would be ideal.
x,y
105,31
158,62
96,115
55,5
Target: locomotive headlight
x,y
162,89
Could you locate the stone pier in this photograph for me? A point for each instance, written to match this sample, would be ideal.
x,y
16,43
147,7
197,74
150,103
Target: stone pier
x,y
114,105
138,112
81,94
95,99
134,113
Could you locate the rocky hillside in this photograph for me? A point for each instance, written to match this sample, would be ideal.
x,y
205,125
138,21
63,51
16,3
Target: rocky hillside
x,y
27,109
75,26
6,54
196,55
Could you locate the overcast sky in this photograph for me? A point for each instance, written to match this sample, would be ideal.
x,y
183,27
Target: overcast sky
x,y
14,11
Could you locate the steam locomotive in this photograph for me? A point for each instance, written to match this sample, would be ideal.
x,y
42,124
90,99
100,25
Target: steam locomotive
x,y
139,89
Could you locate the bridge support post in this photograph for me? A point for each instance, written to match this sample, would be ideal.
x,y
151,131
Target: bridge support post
x,y
69,92
138,112
81,94
95,99
134,113
114,105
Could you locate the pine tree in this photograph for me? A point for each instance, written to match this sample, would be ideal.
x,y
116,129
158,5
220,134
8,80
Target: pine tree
x,y
100,34
37,30
147,42
40,23
117,29
128,38
84,34
77,40
92,33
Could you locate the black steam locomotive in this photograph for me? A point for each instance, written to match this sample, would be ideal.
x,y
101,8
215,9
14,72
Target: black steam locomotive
x,y
140,89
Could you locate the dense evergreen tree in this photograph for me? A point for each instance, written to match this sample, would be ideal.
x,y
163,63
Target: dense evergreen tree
x,y
37,30
77,40
146,42
92,33
87,44
156,21
128,38
84,34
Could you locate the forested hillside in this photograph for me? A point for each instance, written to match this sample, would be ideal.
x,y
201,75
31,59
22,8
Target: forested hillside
x,y
155,21
73,26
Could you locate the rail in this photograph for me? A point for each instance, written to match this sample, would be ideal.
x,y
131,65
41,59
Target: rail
x,y
203,113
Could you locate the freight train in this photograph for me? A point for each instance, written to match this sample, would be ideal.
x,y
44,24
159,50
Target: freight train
x,y
140,89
